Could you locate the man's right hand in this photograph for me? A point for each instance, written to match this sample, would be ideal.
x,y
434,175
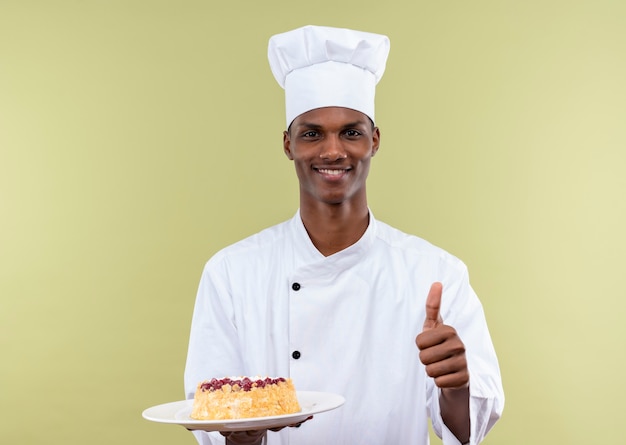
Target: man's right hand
x,y
254,437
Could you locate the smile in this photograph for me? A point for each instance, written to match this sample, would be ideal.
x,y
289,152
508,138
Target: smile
x,y
331,172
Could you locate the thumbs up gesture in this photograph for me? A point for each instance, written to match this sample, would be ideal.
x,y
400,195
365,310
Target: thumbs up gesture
x,y
441,350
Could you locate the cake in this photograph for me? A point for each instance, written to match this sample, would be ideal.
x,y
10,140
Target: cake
x,y
243,397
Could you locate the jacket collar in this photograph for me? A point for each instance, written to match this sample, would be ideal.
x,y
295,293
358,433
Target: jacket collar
x,y
307,255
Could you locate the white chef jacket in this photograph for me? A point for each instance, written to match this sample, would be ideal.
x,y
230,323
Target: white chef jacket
x,y
352,317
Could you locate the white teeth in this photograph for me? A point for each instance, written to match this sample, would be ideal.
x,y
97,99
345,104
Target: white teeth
x,y
327,171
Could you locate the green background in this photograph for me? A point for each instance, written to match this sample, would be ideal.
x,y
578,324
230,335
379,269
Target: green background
x,y
138,137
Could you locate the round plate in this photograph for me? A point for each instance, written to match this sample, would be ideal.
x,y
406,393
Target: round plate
x,y
177,413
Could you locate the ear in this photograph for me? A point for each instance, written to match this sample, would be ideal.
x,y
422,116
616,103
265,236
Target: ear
x,y
375,140
287,145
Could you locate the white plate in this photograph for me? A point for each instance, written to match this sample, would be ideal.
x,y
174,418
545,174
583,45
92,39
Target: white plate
x,y
177,413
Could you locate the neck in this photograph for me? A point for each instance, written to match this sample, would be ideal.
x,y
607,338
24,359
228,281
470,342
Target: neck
x,y
333,228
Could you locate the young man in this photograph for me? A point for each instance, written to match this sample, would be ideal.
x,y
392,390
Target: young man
x,y
335,299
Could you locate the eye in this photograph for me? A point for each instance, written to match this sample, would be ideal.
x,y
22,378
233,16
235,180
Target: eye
x,y
310,134
352,133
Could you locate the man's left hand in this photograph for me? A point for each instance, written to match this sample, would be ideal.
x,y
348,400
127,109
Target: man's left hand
x,y
441,350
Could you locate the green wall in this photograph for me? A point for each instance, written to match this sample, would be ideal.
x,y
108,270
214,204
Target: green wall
x,y
138,137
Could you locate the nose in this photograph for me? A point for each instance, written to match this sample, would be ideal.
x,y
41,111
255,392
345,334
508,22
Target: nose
x,y
332,149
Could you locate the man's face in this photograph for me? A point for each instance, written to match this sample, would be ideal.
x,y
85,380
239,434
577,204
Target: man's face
x,y
331,148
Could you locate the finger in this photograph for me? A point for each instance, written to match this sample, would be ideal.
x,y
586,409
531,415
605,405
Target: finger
x,y
250,437
435,345
438,364
433,305
455,380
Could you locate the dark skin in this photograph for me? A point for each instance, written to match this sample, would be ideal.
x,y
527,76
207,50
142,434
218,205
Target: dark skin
x,y
443,354
331,149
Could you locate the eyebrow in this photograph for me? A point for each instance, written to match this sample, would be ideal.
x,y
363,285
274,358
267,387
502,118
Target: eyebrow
x,y
308,125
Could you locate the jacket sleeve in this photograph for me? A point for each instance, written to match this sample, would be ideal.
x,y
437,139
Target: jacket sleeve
x,y
213,349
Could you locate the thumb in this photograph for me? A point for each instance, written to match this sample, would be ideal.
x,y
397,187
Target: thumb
x,y
433,304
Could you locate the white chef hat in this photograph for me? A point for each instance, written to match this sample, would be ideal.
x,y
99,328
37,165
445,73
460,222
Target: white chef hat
x,y
320,66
